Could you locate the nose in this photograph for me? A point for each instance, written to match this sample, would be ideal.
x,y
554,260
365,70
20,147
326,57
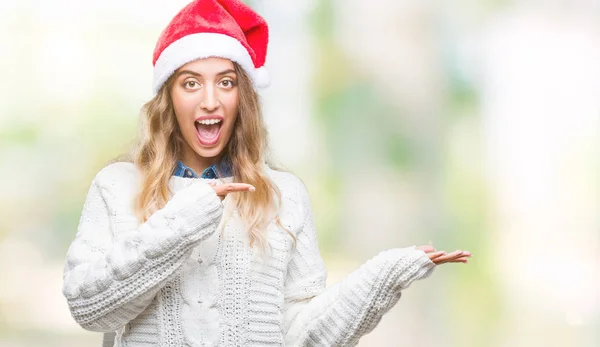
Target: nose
x,y
210,99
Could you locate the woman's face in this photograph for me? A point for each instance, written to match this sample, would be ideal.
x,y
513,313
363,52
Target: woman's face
x,y
205,98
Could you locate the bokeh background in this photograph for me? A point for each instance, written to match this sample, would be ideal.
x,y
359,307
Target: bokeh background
x,y
465,124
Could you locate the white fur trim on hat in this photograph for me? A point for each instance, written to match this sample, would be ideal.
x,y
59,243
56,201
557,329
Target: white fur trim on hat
x,y
204,45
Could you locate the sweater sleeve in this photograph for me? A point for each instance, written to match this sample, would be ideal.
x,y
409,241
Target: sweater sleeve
x,y
109,279
342,314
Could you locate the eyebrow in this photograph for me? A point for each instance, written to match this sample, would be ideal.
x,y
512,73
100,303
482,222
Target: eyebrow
x,y
193,73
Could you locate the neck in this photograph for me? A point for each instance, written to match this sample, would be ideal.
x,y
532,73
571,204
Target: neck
x,y
198,163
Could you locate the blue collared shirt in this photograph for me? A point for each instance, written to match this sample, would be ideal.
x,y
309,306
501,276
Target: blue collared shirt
x,y
183,170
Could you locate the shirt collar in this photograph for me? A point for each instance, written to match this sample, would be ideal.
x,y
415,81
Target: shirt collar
x,y
183,170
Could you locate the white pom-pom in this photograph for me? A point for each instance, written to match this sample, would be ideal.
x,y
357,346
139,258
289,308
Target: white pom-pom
x,y
261,77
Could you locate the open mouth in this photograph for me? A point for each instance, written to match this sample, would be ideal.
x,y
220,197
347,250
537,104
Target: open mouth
x,y
208,130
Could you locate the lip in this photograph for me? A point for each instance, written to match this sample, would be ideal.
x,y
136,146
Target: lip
x,y
216,139
210,116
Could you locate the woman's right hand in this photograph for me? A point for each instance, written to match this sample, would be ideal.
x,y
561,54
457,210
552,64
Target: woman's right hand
x,y
223,189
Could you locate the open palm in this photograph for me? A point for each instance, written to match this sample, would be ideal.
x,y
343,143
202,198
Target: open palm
x,y
441,257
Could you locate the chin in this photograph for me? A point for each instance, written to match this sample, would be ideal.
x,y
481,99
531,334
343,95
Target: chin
x,y
209,153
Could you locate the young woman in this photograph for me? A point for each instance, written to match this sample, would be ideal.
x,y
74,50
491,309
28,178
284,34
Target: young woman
x,y
197,241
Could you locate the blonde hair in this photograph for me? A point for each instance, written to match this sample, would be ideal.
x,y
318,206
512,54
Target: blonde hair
x,y
159,148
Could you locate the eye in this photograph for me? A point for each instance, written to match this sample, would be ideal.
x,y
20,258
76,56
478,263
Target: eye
x,y
227,83
191,84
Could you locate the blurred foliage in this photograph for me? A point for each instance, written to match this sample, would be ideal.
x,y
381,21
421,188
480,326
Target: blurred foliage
x,y
354,119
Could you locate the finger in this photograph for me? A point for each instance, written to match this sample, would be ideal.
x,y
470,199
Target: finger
x,y
455,260
449,257
426,248
435,255
225,189
465,254
458,260
457,253
239,187
461,260
453,254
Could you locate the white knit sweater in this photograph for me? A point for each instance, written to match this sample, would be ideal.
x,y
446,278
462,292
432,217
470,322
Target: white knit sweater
x,y
175,281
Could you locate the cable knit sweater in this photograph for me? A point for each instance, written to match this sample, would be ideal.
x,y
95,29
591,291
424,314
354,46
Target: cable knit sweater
x,y
188,277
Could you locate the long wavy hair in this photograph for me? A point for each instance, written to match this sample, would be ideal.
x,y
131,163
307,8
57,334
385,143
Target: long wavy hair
x,y
159,147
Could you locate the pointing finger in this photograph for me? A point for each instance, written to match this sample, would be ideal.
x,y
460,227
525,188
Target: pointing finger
x,y
227,188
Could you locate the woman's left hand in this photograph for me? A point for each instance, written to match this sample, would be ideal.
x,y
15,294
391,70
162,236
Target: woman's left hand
x,y
441,257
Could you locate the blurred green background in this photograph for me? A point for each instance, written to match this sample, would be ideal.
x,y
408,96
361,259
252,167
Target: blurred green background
x,y
465,124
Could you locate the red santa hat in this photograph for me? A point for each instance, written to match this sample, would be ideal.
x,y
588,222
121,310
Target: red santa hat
x,y
213,28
